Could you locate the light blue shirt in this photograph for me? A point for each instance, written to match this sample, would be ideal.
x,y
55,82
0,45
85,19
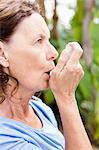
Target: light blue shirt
x,y
15,135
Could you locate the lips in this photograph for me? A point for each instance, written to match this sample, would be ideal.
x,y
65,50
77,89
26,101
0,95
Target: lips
x,y
49,72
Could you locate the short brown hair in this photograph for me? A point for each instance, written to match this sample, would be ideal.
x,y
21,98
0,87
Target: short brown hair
x,y
12,12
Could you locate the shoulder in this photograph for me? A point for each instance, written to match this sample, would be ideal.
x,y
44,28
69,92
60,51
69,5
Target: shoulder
x,y
44,109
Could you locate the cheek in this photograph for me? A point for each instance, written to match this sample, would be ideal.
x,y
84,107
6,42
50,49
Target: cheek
x,y
27,61
38,58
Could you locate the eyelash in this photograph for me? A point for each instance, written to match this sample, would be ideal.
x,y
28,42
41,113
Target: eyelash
x,y
39,40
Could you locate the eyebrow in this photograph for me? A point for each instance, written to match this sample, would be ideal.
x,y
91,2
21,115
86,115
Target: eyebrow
x,y
42,34
46,32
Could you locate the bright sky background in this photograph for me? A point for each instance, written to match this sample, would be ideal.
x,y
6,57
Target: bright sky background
x,y
64,9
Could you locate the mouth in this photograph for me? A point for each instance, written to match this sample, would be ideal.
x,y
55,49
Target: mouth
x,y
49,72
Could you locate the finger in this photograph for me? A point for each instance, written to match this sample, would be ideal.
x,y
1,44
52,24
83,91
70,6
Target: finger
x,y
60,65
64,57
76,54
80,69
61,62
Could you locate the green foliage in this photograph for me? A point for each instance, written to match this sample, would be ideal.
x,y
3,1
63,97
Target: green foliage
x,y
95,41
97,118
78,20
97,4
48,97
88,90
85,85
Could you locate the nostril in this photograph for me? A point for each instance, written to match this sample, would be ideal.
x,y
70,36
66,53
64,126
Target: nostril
x,y
52,53
55,55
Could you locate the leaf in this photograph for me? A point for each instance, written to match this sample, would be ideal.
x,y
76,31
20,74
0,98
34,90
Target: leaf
x,y
48,97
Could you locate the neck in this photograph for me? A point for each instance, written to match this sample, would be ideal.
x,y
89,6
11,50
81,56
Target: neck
x,y
17,106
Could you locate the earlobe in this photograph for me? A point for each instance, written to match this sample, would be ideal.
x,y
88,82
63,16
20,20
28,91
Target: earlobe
x,y
4,62
3,56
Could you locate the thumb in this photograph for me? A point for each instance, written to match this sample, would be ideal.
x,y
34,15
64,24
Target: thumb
x,y
64,57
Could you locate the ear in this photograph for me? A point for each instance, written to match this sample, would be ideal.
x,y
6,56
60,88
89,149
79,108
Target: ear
x,y
3,56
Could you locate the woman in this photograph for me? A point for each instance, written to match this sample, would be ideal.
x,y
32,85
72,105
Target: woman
x,y
26,67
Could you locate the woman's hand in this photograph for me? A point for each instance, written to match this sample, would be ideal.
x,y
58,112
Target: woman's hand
x,y
67,74
63,82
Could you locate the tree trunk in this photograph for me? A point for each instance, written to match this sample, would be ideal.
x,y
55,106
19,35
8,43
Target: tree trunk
x,y
87,46
55,22
42,8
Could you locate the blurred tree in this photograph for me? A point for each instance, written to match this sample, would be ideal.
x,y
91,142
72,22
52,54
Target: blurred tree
x,y
87,46
42,7
55,22
85,32
77,21
54,30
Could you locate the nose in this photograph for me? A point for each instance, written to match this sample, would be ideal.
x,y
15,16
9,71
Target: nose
x,y
52,53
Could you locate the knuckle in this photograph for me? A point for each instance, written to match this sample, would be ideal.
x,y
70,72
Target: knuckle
x,y
80,51
79,69
75,68
70,68
82,73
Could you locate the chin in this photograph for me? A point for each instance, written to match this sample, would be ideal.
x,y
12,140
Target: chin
x,y
44,86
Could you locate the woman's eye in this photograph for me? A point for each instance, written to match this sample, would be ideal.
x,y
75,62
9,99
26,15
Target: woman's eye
x,y
39,40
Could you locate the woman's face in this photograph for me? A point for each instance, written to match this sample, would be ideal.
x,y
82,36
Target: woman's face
x,y
30,53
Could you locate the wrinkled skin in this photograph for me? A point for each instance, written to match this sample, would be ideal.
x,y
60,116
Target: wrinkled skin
x,y
68,72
